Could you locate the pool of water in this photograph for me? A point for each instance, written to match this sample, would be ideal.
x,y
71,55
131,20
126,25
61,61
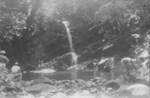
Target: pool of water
x,y
65,75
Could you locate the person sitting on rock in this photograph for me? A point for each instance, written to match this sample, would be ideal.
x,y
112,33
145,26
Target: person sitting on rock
x,y
16,71
15,68
3,60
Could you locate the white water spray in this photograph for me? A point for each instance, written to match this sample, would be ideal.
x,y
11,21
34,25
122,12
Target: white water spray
x,y
74,56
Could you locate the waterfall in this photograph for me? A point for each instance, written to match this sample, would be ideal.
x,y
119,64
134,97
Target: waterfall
x,y
74,55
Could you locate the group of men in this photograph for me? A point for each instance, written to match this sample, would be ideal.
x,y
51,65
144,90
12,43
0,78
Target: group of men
x,y
4,61
128,64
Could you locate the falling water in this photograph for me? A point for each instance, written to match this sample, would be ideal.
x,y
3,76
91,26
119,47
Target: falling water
x,y
74,56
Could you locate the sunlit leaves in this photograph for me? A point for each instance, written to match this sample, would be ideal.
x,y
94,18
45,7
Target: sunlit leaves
x,y
12,23
48,9
57,9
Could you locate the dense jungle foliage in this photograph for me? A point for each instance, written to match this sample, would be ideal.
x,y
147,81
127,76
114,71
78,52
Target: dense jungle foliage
x,y
33,29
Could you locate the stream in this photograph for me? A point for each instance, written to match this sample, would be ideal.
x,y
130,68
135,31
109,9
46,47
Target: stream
x,y
65,75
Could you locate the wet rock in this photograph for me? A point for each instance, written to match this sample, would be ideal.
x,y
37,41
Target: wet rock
x,y
90,66
68,91
62,62
1,82
60,90
123,93
40,97
59,83
10,89
104,80
9,95
61,86
104,95
64,81
94,90
100,88
45,93
88,85
98,78
67,81
92,84
43,80
2,95
93,80
139,89
41,88
98,82
30,96
59,95
73,82
25,83
53,81
72,68
112,84
84,94
67,85
26,96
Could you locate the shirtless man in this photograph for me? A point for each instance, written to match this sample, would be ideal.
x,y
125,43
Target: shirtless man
x,y
128,64
3,60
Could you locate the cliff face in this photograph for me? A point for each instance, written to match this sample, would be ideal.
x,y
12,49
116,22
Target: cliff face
x,y
88,42
59,51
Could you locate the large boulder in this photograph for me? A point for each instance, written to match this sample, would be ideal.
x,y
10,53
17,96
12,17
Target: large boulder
x,y
59,95
91,65
139,90
84,94
43,80
61,63
112,84
41,88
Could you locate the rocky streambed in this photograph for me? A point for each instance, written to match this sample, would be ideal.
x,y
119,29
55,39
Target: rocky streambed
x,y
44,87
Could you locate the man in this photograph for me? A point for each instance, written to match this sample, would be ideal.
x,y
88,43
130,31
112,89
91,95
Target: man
x,y
15,68
3,60
16,71
128,64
